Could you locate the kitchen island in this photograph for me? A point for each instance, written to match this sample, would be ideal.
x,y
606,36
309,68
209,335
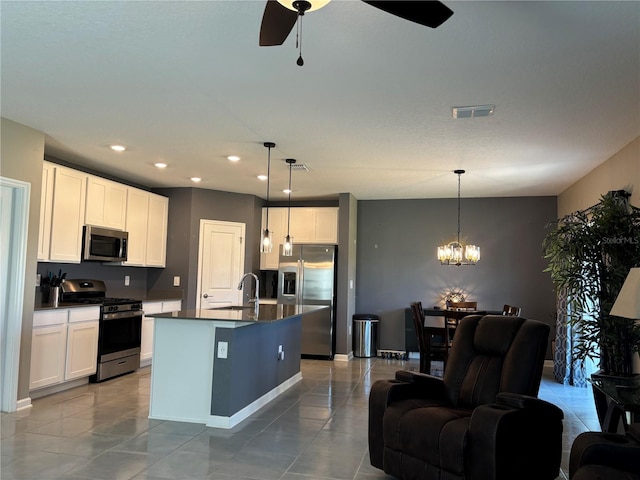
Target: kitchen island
x,y
218,366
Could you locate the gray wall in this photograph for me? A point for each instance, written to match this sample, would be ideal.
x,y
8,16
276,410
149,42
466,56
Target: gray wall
x,y
396,257
21,159
346,291
187,206
235,384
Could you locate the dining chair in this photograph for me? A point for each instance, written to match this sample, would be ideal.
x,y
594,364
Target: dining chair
x,y
511,310
461,306
452,319
424,347
432,335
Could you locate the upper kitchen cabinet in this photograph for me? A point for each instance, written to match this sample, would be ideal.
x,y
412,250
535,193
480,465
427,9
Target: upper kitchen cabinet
x,y
46,207
308,225
146,222
156,253
314,224
71,199
106,203
62,229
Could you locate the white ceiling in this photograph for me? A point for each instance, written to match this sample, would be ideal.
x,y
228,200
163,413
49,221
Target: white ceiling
x,y
369,113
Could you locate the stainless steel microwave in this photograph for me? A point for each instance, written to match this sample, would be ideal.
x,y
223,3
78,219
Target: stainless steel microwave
x,y
104,245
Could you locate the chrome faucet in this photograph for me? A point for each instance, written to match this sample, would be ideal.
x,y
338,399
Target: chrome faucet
x,y
253,300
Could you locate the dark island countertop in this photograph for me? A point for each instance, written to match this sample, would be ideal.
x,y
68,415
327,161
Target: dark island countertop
x,y
267,313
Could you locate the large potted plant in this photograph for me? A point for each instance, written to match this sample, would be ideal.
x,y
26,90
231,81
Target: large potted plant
x,y
590,253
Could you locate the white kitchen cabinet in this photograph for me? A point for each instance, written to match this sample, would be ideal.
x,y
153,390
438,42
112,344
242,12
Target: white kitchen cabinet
x,y
62,214
314,224
46,207
82,349
48,352
156,251
106,203
302,224
308,225
64,345
150,309
325,225
278,229
136,225
146,222
71,199
67,219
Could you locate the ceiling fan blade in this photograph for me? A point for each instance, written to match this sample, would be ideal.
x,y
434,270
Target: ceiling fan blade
x,y
277,22
429,13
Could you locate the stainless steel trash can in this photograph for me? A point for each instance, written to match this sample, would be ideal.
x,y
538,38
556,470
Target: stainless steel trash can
x,y
365,335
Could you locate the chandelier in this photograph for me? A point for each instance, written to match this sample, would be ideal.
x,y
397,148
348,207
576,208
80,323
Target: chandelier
x,y
455,253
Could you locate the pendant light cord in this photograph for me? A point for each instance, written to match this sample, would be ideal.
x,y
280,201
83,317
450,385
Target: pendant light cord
x,y
269,145
459,208
289,213
300,61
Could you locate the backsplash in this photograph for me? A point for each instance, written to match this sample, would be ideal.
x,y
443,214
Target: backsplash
x,y
111,275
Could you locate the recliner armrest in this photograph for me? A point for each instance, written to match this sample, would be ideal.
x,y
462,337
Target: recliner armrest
x,y
519,436
425,386
516,400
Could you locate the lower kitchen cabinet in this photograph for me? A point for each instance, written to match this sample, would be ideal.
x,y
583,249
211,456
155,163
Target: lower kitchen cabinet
x,y
150,309
48,353
64,345
82,350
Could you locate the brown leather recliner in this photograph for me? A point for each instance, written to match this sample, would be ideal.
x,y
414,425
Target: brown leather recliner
x,y
482,421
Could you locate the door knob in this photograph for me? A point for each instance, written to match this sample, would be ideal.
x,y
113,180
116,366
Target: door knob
x,y
205,295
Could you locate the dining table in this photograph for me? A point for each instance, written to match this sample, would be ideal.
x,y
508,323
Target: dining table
x,y
434,324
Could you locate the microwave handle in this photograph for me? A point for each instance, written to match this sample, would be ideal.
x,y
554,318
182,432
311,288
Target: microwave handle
x,y
123,249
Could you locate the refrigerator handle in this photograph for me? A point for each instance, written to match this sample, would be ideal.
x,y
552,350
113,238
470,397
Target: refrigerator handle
x,y
300,281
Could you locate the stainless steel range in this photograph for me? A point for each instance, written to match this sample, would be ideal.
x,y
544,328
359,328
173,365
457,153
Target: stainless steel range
x,y
120,327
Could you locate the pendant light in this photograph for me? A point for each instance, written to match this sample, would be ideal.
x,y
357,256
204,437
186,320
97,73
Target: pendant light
x,y
455,253
266,242
287,246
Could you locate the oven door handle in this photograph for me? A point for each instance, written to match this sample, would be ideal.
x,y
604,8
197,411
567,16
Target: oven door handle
x,y
119,315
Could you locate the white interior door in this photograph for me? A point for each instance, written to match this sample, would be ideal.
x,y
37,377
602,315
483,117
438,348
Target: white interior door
x,y
221,263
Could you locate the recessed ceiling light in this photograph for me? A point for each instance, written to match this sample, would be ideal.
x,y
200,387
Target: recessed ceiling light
x,y
118,148
160,165
233,158
262,177
196,179
287,191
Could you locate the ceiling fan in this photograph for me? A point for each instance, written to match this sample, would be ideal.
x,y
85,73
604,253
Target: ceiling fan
x,y
281,15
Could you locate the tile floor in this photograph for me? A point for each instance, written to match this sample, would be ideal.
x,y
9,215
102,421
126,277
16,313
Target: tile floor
x,y
316,430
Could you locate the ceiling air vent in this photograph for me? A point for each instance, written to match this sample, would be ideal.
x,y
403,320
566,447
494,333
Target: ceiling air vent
x,y
472,111
299,166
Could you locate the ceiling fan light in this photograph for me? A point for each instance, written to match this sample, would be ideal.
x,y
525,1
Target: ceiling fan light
x,y
315,4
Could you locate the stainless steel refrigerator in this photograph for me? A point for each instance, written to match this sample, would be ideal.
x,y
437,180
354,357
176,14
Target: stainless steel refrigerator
x,y
309,278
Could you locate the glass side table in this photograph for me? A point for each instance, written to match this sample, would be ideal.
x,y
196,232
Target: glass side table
x,y
614,398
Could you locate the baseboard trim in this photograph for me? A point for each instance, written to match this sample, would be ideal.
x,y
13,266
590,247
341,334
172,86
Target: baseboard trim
x,y
341,357
23,403
59,387
219,421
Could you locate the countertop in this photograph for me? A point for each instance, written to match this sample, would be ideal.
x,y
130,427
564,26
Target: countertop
x,y
62,305
268,313
161,296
